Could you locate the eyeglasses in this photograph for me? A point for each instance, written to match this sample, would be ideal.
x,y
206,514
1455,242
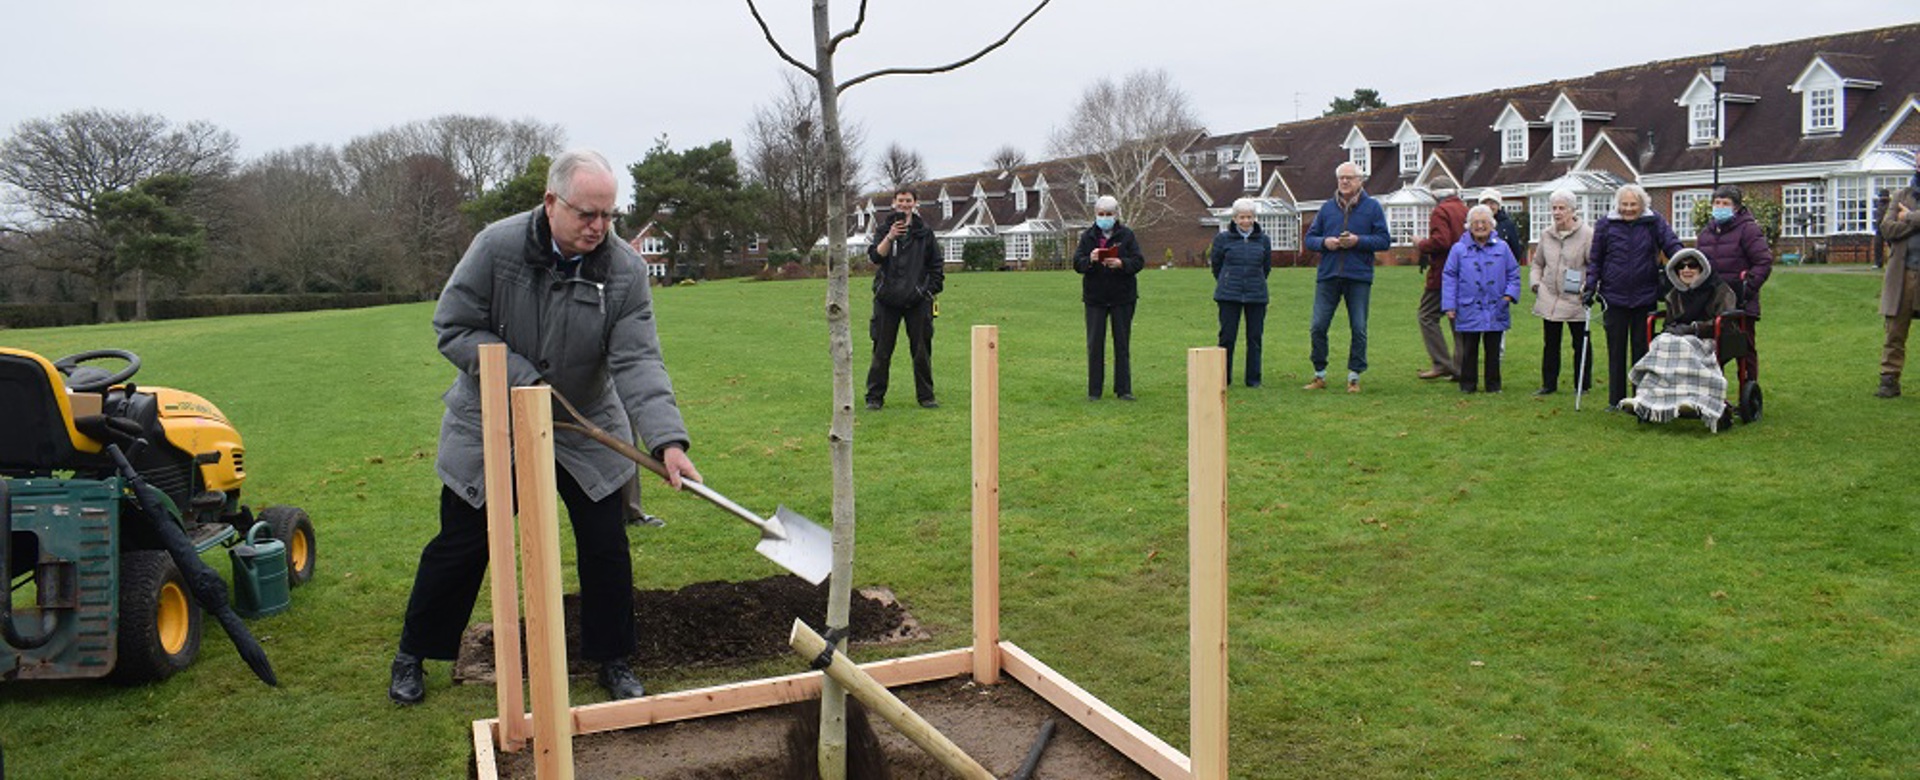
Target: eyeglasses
x,y
586,216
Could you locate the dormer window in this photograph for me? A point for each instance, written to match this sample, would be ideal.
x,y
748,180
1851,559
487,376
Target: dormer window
x,y
1513,145
946,207
1358,156
1700,124
1566,137
1820,110
1410,156
1250,174
1019,200
1089,189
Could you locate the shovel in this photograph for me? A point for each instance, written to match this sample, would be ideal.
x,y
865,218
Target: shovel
x,y
786,538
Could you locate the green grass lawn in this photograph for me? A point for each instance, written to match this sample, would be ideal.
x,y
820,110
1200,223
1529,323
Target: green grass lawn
x,y
1424,585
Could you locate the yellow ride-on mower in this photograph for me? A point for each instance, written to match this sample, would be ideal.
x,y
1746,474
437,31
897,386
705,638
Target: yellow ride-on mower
x,y
109,493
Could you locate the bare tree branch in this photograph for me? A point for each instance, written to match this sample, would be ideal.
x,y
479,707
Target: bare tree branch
x,y
943,68
777,48
834,44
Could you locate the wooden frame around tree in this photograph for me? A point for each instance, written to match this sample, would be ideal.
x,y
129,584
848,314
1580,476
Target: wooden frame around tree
x,y
986,658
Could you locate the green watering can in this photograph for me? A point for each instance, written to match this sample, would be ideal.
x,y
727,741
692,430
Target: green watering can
x,y
260,585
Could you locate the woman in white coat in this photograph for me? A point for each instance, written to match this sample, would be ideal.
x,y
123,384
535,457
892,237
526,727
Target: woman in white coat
x,y
1555,271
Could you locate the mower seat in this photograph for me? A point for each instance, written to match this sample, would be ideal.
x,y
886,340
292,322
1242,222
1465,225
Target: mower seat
x,y
37,432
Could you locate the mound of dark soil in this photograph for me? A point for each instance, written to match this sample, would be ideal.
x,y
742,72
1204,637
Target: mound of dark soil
x,y
713,623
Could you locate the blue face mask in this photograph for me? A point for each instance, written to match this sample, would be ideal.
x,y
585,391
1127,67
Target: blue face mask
x,y
1104,223
1722,213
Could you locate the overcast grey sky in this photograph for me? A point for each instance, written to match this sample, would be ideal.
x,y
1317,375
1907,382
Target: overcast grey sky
x,y
616,75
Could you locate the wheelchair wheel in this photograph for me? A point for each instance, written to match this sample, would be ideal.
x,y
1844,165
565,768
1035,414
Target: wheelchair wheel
x,y
1751,402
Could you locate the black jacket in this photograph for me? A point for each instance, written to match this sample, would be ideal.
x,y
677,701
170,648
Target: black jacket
x,y
913,273
1103,286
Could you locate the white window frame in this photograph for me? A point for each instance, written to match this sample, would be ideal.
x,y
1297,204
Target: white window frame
x,y
1283,231
1090,189
1820,109
1513,144
1250,175
1020,200
1019,246
653,245
1539,216
1803,198
946,208
1680,213
1359,156
1159,188
1566,137
753,243
1407,224
1410,156
956,250
1852,205
1700,125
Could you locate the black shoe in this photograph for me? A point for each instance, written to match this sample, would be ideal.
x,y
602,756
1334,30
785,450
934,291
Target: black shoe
x,y
409,684
1544,391
1126,396
929,404
873,404
618,681
1093,396
650,521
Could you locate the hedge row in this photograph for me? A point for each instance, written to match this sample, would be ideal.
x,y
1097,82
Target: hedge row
x,y
54,315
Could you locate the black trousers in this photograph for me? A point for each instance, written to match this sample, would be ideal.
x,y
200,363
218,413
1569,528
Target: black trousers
x,y
453,563
1121,314
1256,314
1626,344
1470,345
1550,355
884,329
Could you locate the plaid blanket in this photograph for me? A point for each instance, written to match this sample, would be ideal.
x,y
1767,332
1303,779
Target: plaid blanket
x,y
1679,376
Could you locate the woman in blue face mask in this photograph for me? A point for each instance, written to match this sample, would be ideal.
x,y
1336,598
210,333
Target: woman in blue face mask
x,y
1734,244
1107,260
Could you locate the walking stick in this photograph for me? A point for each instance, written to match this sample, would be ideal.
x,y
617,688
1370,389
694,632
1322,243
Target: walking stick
x,y
1586,344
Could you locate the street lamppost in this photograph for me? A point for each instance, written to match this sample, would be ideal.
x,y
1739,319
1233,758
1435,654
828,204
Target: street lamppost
x,y
1716,73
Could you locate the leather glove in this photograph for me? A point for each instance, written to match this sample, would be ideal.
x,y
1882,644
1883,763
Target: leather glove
x,y
1586,299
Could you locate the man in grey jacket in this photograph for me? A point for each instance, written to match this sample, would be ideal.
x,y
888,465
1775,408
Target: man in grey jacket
x,y
575,313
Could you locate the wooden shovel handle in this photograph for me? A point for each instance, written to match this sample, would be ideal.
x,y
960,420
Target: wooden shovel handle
x,y
599,434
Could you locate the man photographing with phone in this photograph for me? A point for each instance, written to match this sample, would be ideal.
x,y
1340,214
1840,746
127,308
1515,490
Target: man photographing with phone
x,y
907,275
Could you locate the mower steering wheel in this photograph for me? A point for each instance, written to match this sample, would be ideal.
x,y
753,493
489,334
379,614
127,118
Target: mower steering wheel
x,y
91,381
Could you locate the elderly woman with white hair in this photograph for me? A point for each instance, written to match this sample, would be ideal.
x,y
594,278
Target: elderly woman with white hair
x,y
1558,270
1623,268
1478,288
1241,258
1108,261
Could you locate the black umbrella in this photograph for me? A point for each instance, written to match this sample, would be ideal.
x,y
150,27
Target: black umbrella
x,y
202,580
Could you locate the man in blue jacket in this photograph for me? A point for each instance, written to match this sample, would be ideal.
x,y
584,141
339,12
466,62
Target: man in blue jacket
x,y
1350,227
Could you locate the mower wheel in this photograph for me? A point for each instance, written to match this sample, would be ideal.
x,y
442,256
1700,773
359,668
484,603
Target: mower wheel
x,y
159,625
295,530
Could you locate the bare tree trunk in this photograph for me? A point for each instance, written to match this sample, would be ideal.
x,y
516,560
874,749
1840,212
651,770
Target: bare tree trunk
x,y
833,699
139,295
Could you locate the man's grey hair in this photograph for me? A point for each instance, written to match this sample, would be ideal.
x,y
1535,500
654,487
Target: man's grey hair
x,y
1107,203
1342,168
1565,196
573,161
1480,210
1245,206
1635,190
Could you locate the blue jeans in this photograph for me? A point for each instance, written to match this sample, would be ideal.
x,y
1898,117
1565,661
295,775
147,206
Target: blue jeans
x,y
1326,295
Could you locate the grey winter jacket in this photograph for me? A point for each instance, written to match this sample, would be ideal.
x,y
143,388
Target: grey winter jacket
x,y
591,337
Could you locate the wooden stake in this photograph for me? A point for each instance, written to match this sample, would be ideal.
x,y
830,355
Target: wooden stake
x,y
497,449
882,702
540,558
986,504
1207,557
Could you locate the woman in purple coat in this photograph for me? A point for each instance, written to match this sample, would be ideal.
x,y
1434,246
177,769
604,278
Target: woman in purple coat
x,y
1478,287
1623,268
1734,244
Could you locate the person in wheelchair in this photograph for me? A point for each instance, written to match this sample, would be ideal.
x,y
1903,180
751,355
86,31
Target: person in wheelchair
x,y
1681,374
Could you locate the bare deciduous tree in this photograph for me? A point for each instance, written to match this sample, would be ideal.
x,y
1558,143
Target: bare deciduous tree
x,y
1006,158
901,166
1118,129
833,725
57,169
482,150
786,153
